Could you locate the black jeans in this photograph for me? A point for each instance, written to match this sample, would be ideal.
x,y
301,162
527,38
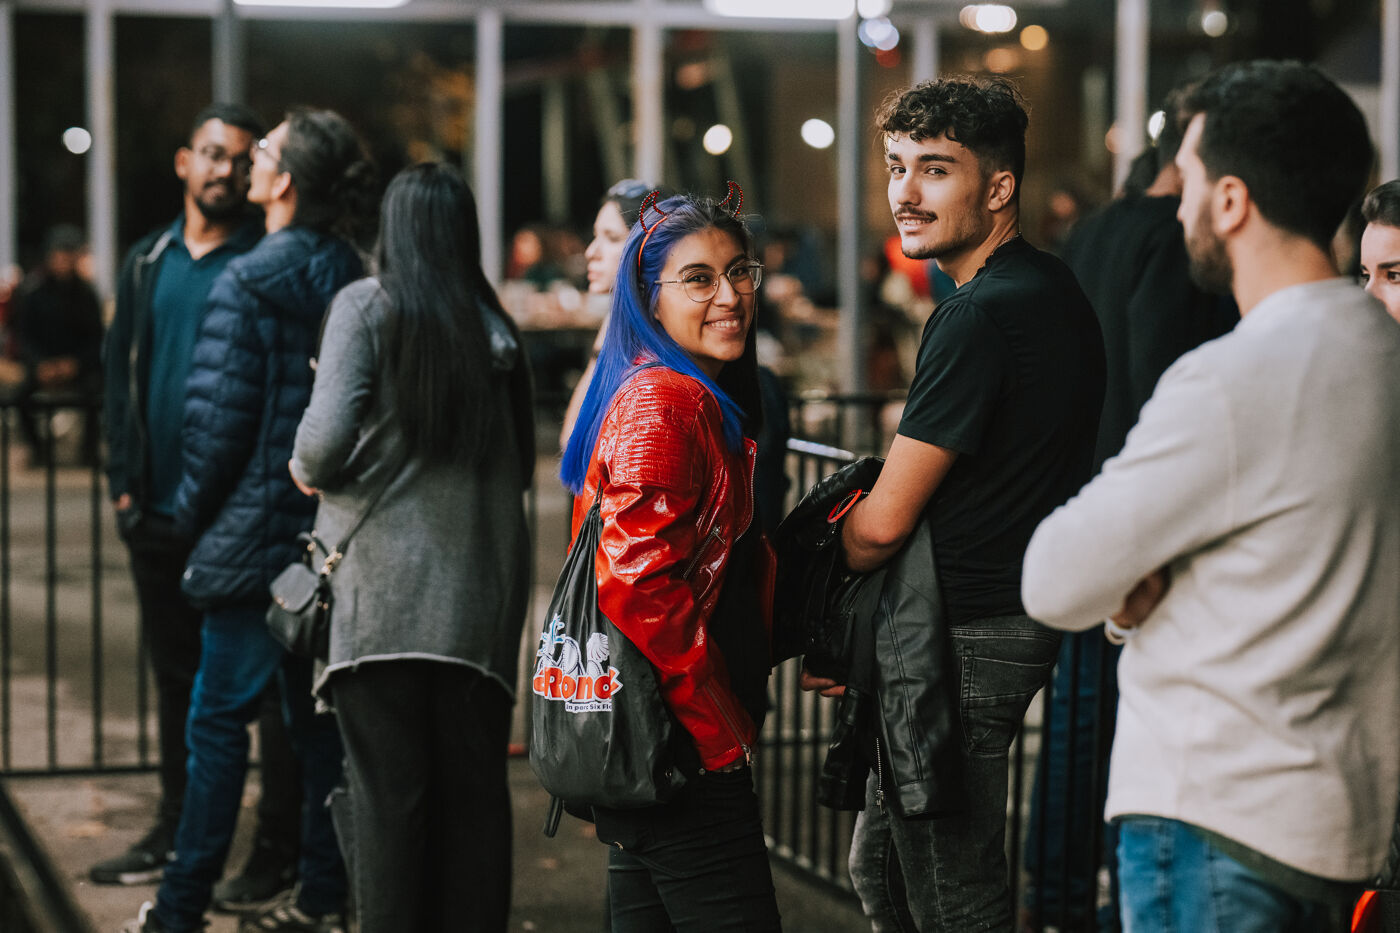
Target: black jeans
x,y
949,873
170,631
695,865
279,806
425,823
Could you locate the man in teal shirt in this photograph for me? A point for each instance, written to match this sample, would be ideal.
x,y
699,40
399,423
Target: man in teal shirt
x,y
160,300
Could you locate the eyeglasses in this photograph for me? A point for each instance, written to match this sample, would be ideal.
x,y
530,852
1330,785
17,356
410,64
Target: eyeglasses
x,y
703,285
217,155
264,146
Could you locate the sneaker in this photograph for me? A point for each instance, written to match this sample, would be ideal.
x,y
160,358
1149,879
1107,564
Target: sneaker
x,y
146,922
143,863
269,871
283,914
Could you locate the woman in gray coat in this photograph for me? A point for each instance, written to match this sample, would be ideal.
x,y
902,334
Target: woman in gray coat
x,y
422,390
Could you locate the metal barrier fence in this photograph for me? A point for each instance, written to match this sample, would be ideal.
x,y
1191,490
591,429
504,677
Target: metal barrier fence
x,y
34,898
74,697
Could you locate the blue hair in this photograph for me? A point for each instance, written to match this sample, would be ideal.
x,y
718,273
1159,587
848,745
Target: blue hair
x,y
634,333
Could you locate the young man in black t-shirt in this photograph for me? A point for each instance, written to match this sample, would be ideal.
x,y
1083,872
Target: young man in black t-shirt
x,y
999,430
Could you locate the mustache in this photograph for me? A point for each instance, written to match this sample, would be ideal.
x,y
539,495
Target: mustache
x,y
905,213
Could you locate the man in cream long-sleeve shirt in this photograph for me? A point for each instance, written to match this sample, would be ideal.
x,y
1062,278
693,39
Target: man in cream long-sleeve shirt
x,y
1252,522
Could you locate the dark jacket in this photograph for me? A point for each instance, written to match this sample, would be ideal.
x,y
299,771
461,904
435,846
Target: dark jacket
x,y
889,630
249,383
126,363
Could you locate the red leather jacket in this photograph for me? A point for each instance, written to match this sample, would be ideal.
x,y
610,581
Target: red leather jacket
x,y
674,501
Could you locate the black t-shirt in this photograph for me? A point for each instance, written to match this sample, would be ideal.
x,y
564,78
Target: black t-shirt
x,y
1011,376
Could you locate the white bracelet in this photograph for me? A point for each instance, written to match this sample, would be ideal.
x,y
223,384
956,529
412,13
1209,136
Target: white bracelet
x,y
1115,633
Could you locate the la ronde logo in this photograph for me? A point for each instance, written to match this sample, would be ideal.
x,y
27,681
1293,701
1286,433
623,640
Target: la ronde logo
x,y
581,679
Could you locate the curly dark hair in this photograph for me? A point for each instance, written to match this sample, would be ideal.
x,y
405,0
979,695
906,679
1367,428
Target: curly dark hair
x,y
1265,119
987,115
1382,205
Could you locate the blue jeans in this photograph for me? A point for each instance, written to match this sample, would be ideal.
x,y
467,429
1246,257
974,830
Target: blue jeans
x,y
1173,880
949,872
238,661
1067,839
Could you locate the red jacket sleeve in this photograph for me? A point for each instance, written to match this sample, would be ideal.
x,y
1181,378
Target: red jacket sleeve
x,y
652,491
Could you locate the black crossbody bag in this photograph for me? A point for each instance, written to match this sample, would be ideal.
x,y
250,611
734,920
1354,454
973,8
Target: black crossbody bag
x,y
300,614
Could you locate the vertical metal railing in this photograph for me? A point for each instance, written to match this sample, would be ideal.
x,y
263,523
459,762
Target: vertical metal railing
x,y
41,523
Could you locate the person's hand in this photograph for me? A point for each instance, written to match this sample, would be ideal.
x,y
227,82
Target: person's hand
x,y
122,502
1142,599
823,685
305,489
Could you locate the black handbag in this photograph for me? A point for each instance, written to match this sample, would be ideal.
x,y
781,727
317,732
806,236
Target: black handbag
x,y
300,614
600,734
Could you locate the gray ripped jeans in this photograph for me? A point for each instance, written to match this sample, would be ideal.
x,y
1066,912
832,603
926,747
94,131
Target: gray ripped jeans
x,y
949,873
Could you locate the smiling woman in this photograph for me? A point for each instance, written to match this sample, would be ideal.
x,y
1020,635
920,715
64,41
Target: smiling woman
x,y
682,569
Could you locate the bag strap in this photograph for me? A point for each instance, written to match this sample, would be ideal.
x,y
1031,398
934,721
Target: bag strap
x,y
338,552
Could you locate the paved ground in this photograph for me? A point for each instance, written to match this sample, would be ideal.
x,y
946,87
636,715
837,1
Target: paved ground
x,y
97,702
558,882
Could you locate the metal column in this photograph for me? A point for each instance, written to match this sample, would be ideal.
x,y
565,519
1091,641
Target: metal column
x,y
648,86
1130,83
850,143
227,57
102,187
9,250
1389,128
554,157
925,66
486,175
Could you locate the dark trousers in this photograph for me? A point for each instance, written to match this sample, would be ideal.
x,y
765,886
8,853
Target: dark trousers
x,y
279,806
425,822
695,865
949,873
170,633
1068,840
239,659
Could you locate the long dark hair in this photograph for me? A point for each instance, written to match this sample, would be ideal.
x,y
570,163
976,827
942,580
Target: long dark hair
x,y
429,263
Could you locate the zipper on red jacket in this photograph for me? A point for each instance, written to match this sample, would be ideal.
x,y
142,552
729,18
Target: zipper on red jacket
x,y
700,551
729,724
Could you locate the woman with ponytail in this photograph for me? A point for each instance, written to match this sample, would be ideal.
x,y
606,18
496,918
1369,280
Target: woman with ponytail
x,y
422,391
662,444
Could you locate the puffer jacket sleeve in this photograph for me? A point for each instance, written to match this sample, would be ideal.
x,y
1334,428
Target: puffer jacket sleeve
x,y
223,402
649,505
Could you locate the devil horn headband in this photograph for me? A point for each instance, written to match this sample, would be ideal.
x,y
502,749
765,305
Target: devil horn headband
x,y
649,202
735,194
733,202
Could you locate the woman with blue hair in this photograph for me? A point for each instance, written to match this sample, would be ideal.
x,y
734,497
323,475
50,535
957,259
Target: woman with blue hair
x,y
683,570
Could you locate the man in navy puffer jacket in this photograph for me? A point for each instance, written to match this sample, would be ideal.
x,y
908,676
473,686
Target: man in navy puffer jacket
x,y
249,382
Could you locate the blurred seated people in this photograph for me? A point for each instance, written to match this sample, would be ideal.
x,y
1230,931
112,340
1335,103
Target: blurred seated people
x,y
617,212
58,328
11,372
531,258
1063,210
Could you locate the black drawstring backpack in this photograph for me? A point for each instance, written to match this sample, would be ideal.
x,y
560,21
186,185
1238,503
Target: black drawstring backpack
x,y
600,734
